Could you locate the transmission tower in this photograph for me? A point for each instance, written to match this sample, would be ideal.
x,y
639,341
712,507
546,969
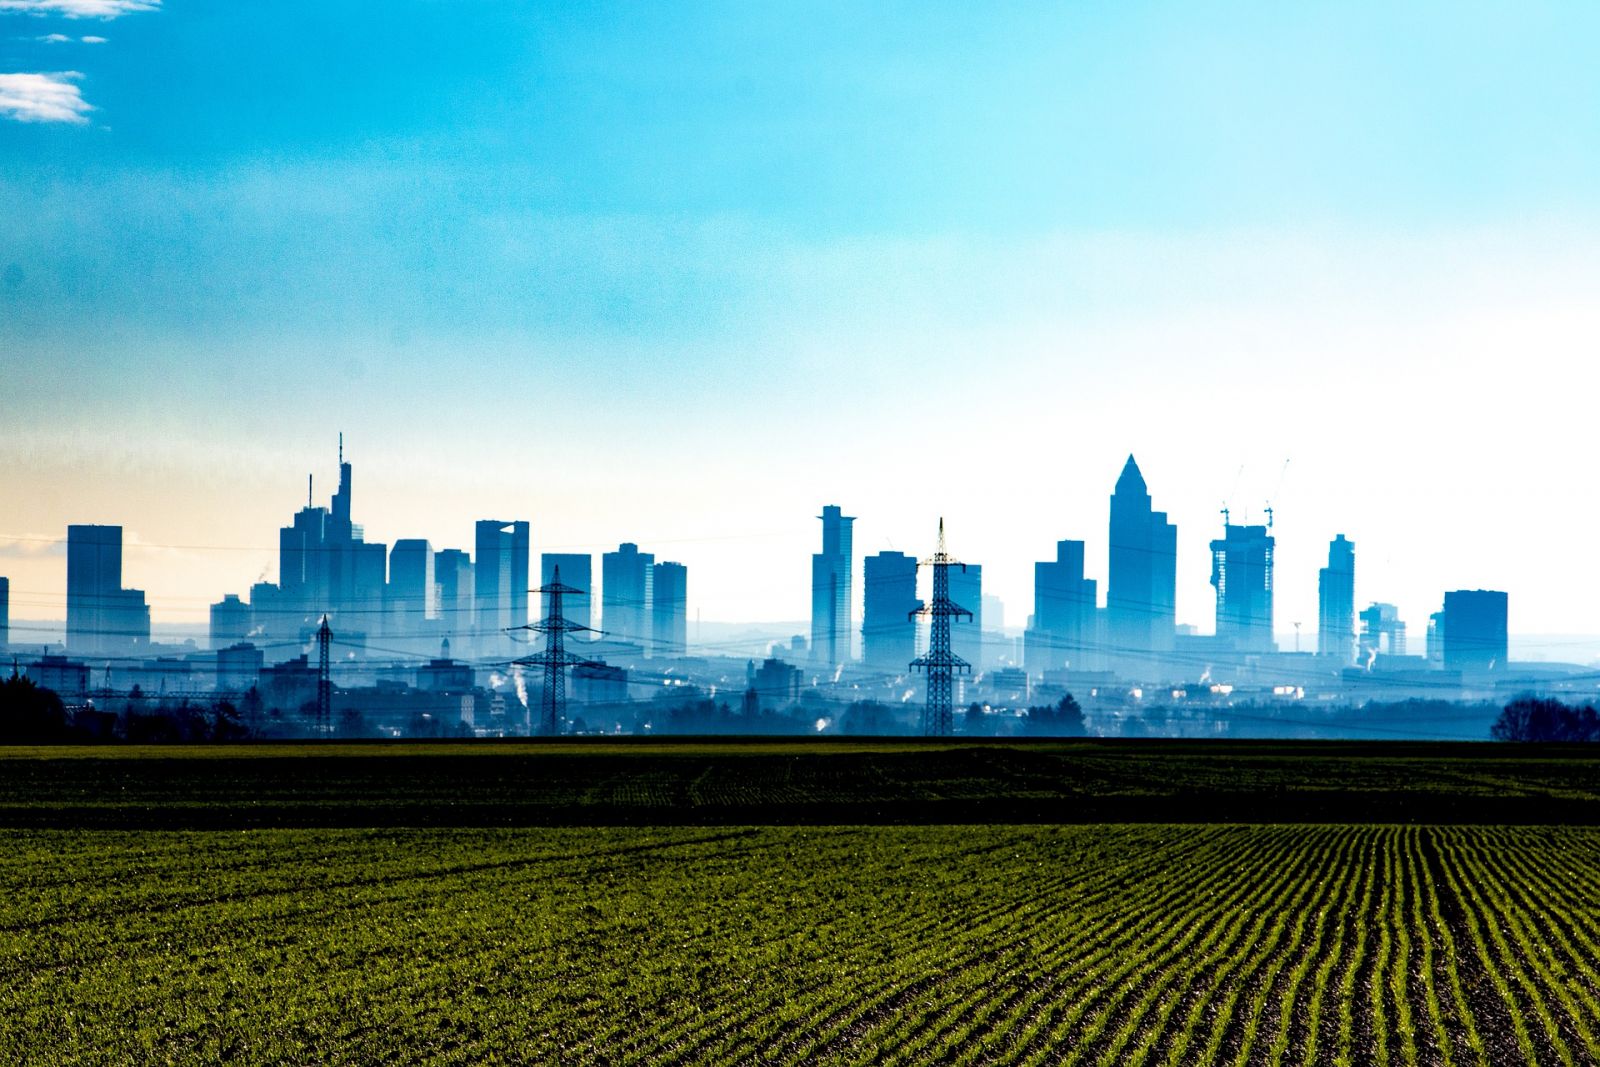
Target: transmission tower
x,y
940,664
554,658
324,721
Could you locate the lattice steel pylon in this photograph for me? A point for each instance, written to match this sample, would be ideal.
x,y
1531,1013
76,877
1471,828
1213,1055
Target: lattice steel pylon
x,y
554,658
941,665
324,721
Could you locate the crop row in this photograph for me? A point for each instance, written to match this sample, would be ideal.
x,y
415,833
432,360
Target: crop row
x,y
1092,945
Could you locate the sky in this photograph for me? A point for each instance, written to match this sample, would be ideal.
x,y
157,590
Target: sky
x,y
681,274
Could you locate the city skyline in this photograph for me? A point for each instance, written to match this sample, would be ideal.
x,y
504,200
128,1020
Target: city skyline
x,y
394,592
555,271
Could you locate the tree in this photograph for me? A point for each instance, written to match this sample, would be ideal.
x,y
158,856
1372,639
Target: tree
x,y
1061,719
1542,719
30,714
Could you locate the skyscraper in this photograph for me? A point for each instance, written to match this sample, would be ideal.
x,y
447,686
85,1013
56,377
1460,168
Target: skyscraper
x,y
1241,570
452,572
966,635
831,572
1336,602
1382,632
577,570
1064,604
325,567
1475,630
5,612
500,583
413,597
888,633
102,617
669,609
1142,579
625,594
230,622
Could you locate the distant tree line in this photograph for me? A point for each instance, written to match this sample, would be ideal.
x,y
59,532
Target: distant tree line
x,y
33,715
1540,719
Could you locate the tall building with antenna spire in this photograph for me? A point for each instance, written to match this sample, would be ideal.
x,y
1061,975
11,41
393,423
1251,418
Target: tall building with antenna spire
x,y
326,567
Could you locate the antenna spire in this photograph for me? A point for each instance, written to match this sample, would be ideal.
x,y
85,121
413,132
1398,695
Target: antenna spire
x,y
341,448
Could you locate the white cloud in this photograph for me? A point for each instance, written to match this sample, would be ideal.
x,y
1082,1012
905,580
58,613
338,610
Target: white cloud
x,y
79,9
61,38
43,98
93,40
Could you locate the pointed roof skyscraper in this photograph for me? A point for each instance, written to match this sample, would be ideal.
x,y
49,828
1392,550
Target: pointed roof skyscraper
x,y
1132,480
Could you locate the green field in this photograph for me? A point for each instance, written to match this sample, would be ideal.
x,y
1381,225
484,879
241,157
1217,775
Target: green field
x,y
792,902
1160,944
794,782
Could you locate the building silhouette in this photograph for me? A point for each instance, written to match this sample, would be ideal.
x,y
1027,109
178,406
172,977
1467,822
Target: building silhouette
x,y
1382,632
5,612
1241,571
103,618
1142,579
239,667
627,577
1065,613
453,574
669,609
888,632
1336,602
577,570
966,634
831,575
230,622
499,584
1475,630
325,568
413,595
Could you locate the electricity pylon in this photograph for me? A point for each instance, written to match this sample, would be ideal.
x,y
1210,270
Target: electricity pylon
x,y
940,664
554,658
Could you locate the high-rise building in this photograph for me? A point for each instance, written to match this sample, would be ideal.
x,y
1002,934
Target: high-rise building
x,y
577,571
1336,602
413,594
1064,613
325,567
1435,639
1142,579
888,632
1241,570
5,612
500,583
831,574
669,609
1475,630
103,618
452,573
1382,632
966,635
239,667
626,579
230,622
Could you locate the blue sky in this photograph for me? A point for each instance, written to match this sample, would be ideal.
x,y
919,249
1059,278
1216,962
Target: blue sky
x,y
686,272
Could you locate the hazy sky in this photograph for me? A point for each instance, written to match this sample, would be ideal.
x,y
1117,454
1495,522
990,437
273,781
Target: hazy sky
x,y
681,274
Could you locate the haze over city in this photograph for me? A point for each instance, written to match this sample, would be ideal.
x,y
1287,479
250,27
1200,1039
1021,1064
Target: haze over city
x,y
679,279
